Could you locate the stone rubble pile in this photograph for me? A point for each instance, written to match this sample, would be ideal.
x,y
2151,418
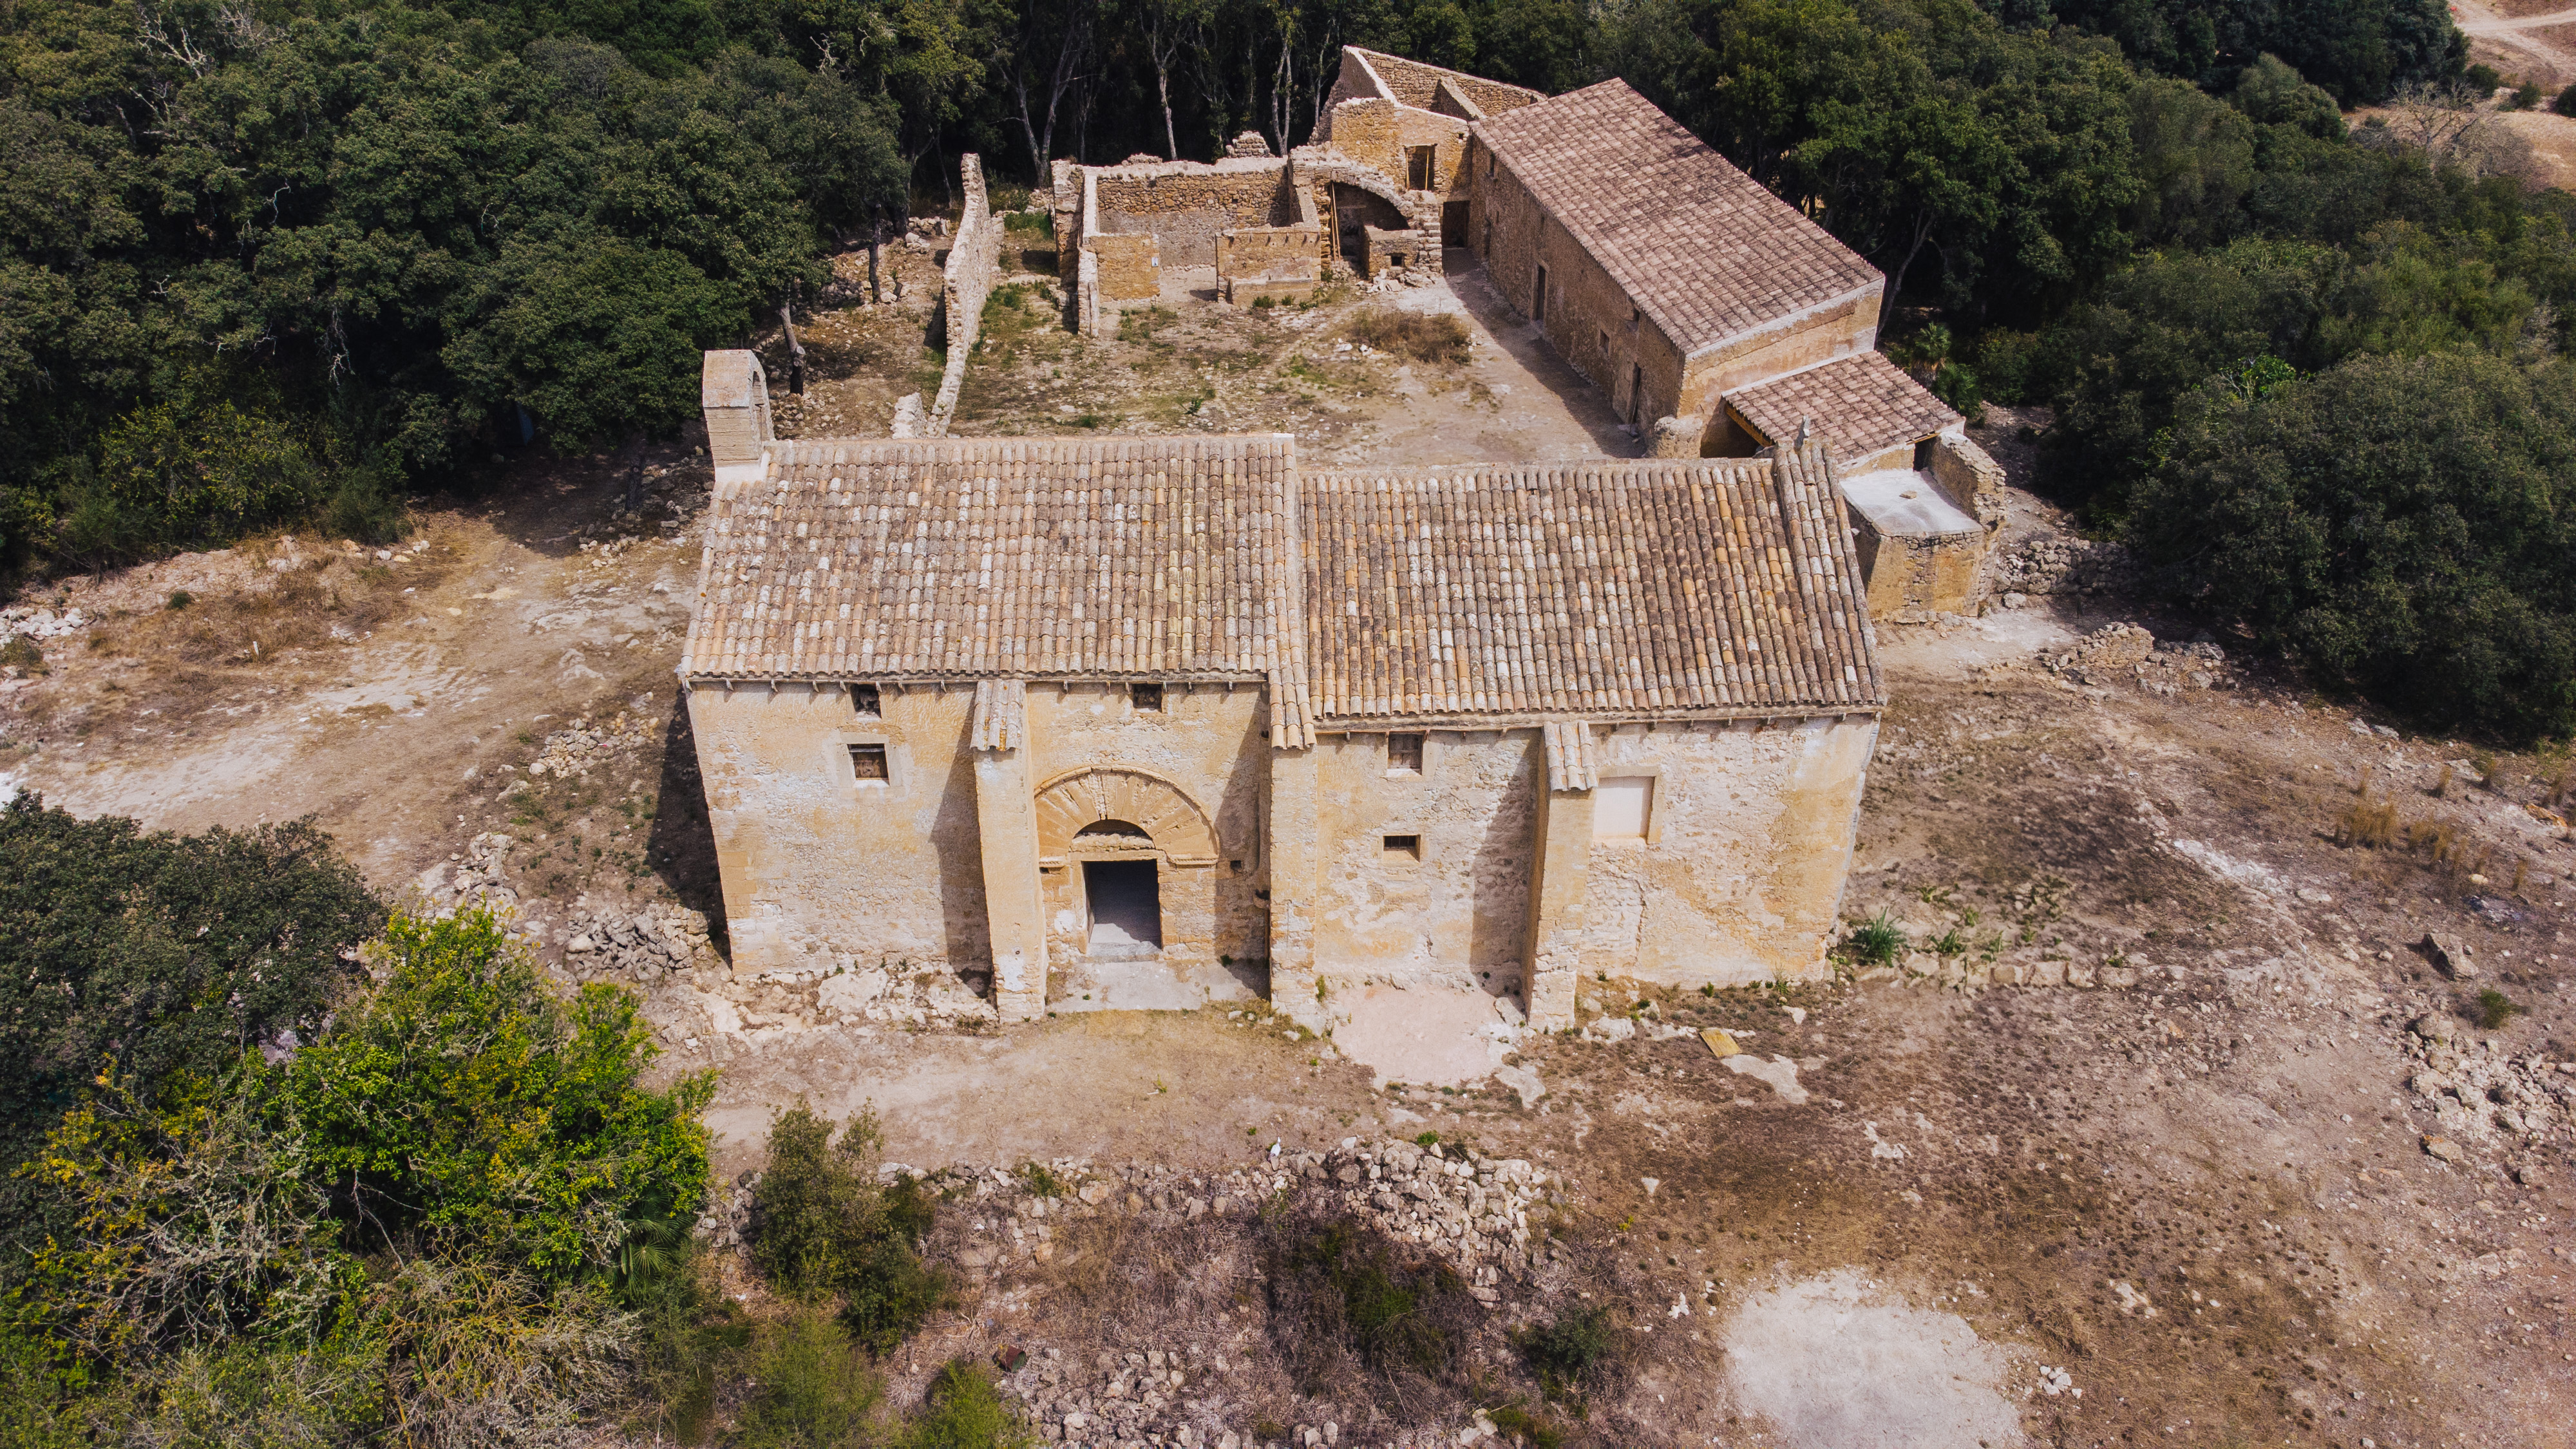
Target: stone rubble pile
x,y
36,623
642,947
851,995
2058,565
571,753
2128,653
472,877
2482,1094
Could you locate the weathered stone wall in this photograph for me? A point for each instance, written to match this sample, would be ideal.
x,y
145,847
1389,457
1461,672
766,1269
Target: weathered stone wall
x,y
733,392
1457,916
974,259
1912,578
821,869
1208,742
1380,134
1971,476
1750,838
1129,268
1589,319
1416,84
1187,205
1842,328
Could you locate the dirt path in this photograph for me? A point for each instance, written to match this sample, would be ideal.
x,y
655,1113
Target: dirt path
x,y
2520,44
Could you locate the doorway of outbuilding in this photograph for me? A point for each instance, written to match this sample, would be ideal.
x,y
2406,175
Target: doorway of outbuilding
x,y
1126,908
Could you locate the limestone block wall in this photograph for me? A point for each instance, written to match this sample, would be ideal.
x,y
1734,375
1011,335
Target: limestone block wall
x,y
821,868
1846,326
974,259
1209,743
1459,914
1381,135
1588,318
1741,876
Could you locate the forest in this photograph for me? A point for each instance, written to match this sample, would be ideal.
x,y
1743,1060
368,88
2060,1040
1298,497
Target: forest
x,y
264,261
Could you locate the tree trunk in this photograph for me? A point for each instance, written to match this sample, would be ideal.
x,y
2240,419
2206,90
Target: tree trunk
x,y
635,471
1896,282
876,257
795,350
1163,84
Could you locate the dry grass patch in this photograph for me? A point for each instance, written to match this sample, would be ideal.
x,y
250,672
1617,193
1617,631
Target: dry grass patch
x,y
1433,337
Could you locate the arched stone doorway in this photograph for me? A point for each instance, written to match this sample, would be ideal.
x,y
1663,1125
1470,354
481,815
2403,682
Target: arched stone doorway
x,y
1128,867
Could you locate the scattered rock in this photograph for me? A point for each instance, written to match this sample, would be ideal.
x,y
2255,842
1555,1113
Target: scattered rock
x,y
2450,955
2445,1149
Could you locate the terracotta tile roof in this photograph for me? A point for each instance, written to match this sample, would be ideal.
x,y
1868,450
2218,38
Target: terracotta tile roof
x,y
1650,589
1860,405
1656,588
989,558
1702,247
1571,761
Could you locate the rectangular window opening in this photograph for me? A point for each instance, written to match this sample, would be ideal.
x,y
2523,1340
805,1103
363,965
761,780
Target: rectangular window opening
x,y
1403,847
1923,456
1404,754
1538,303
1145,696
867,762
1420,164
865,701
1621,806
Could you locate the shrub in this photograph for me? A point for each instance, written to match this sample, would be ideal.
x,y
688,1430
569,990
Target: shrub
x,y
1569,1356
1344,1304
1028,223
179,599
23,654
965,1412
1422,336
821,1225
2565,105
478,1353
465,1105
2482,80
2526,97
2495,1009
162,954
814,1390
2397,523
1960,388
1876,941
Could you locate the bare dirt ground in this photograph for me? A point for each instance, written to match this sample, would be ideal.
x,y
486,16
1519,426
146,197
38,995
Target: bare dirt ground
x,y
2531,40
2208,1186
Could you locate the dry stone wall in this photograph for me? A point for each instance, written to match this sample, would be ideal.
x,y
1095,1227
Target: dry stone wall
x,y
973,259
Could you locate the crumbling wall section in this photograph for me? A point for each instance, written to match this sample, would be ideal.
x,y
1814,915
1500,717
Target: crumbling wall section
x,y
1188,205
1750,827
1971,476
822,868
974,259
1416,84
1913,577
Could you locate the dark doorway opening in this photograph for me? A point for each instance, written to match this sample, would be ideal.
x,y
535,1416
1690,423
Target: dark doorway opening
x,y
1126,906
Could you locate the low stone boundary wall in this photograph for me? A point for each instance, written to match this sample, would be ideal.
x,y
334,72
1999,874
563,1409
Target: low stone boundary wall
x,y
973,260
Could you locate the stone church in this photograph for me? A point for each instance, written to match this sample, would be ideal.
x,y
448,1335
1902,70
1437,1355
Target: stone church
x,y
1057,708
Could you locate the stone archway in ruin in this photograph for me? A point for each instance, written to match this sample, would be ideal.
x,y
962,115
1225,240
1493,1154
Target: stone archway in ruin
x,y
1078,799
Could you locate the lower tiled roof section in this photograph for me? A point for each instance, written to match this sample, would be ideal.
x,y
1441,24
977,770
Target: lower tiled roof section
x,y
1655,588
1860,405
988,558
1570,761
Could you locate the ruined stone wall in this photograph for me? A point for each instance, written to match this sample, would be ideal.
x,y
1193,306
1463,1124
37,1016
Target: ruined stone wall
x,y
1845,327
1458,916
1750,841
1971,476
1378,134
1416,84
1187,205
974,260
1208,742
821,869
1590,319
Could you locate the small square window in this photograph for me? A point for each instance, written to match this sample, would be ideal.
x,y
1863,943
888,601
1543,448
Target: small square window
x,y
1622,805
1145,696
865,702
1403,847
868,762
1404,754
